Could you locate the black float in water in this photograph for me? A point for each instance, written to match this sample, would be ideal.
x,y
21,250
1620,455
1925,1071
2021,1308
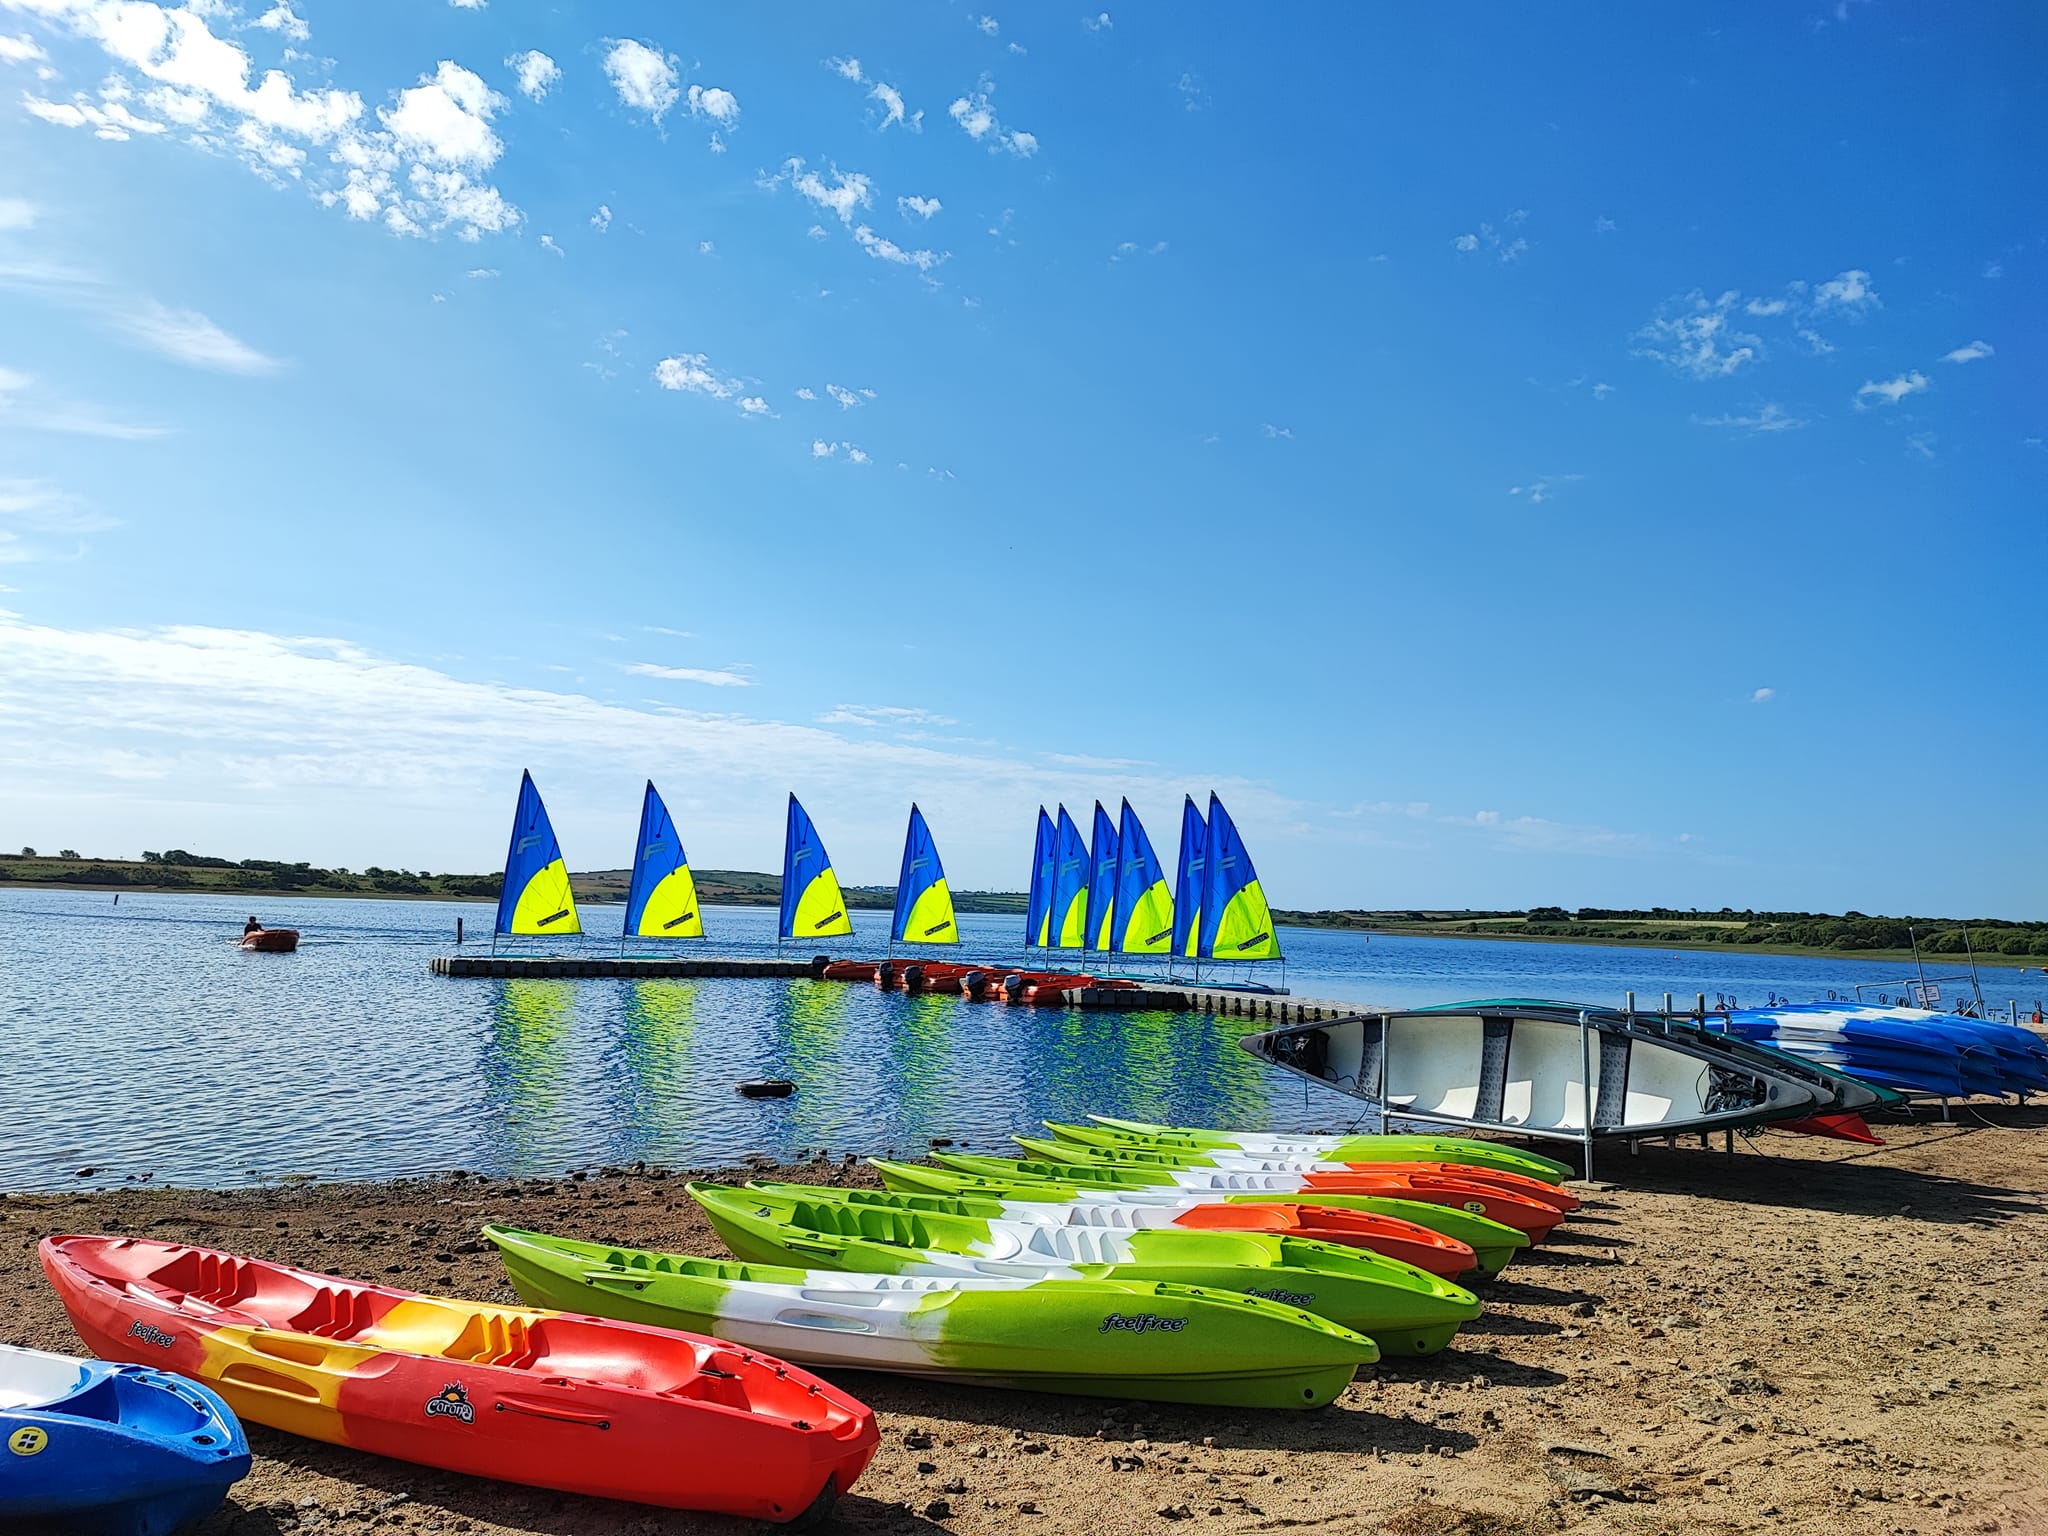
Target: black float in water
x,y
766,1088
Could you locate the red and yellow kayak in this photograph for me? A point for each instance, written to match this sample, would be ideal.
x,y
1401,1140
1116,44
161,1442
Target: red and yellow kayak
x,y
551,1399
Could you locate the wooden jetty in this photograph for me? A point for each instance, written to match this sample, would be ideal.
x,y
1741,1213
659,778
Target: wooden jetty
x,y
617,965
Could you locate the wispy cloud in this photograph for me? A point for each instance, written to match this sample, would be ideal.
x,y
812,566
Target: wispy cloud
x,y
877,716
1890,391
918,207
1769,417
882,248
822,449
40,522
183,335
20,49
1099,22
1543,488
1922,443
976,115
282,19
602,219
1692,336
1970,353
1847,293
711,678
988,26
692,373
1499,240
1763,695
1277,431
17,213
22,404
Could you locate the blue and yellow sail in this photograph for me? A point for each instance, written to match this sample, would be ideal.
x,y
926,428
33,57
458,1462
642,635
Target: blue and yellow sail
x,y
813,906
1038,906
1187,885
1236,923
1069,921
535,897
924,903
1143,913
661,903
1101,881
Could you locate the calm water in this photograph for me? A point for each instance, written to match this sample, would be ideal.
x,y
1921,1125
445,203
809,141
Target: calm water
x,y
141,1040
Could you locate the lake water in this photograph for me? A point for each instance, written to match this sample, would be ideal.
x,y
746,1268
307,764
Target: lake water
x,y
141,1041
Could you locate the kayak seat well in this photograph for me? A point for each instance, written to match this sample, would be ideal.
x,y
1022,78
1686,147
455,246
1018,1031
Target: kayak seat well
x,y
876,1223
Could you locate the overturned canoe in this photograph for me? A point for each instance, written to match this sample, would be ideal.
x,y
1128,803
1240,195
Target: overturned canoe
x,y
543,1398
111,1450
1337,1149
1403,1310
1099,1338
272,941
1493,1243
1544,1069
1375,1233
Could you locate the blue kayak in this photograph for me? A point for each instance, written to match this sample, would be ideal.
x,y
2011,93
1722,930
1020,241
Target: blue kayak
x,y
94,1449
1916,1050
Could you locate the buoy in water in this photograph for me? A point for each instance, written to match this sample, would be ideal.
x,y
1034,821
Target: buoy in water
x,y
766,1088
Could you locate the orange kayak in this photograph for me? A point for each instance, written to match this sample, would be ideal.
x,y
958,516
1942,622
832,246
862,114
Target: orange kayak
x,y
550,1399
272,941
1389,1236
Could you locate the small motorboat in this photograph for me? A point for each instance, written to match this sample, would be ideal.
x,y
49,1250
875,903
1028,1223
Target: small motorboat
x,y
271,941
111,1450
548,1399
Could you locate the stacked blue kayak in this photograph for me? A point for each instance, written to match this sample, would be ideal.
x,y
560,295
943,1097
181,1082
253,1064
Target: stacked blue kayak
x,y
1914,1051
94,1449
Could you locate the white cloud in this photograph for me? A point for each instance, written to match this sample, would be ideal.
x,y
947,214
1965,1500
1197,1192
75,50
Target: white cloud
x,y
705,248
536,72
1602,391
845,192
1194,91
1846,293
40,522
885,249
876,716
891,101
1692,336
16,213
821,449
1763,695
755,405
1890,391
477,273
1466,243
1543,488
1970,353
23,405
1499,240
1770,417
989,26
846,69
692,373
282,19
716,103
644,77
602,219
187,336
20,49
918,207
469,5
1923,443
847,398
977,118
805,392
1099,22
1762,307
1816,343
724,678
1273,431
547,243
445,120
1603,225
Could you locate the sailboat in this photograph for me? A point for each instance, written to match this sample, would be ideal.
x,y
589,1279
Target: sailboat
x,y
535,898
661,903
1143,915
1069,919
1236,923
1187,886
924,902
1038,906
1101,882
813,906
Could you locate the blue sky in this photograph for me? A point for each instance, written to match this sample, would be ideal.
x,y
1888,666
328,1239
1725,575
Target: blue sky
x,y
1594,459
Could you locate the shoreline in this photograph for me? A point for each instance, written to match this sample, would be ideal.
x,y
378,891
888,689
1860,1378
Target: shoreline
x,y
1708,1346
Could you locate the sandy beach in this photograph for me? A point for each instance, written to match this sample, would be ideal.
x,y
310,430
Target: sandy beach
x,y
1805,1336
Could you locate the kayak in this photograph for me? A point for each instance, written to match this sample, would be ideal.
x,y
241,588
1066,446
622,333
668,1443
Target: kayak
x,y
548,1399
1534,1219
1401,1309
1386,1235
111,1450
271,941
1521,1186
1095,1338
1109,1131
1493,1243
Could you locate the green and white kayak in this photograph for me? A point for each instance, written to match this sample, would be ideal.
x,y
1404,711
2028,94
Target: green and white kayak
x,y
1493,1243
1099,1338
1402,1309
1471,1151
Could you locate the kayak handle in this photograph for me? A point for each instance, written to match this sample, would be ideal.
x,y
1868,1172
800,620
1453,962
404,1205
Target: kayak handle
x,y
610,1277
551,1411
798,1245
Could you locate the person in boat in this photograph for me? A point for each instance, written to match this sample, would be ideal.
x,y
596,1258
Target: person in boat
x,y
251,926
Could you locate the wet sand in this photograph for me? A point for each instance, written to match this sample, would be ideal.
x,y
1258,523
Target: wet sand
x,y
1806,1336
